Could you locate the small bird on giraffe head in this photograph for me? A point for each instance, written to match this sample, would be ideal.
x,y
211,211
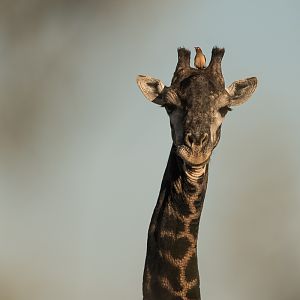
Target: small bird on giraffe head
x,y
200,59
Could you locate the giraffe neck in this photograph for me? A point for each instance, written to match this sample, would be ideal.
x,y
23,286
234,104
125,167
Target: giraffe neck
x,y
171,269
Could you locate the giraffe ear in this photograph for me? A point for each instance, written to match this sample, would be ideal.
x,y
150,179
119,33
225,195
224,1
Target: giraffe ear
x,y
240,91
151,88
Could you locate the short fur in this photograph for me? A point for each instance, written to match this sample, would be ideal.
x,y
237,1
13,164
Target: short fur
x,y
196,103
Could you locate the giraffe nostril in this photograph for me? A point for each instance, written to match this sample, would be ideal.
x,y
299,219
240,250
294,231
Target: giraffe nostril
x,y
196,139
189,140
204,139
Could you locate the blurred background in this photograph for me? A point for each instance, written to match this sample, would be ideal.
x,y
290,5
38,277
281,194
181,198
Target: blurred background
x,y
82,152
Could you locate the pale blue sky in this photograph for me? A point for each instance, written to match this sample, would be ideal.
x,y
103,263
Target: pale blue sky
x,y
82,152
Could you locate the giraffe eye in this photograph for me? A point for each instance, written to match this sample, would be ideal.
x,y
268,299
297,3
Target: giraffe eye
x,y
224,110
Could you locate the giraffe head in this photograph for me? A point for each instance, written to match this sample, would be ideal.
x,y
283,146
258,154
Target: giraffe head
x,y
197,102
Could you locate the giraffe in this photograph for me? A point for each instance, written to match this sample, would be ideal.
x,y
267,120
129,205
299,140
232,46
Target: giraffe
x,y
196,102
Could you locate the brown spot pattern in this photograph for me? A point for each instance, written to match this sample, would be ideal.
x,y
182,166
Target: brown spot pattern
x,y
193,175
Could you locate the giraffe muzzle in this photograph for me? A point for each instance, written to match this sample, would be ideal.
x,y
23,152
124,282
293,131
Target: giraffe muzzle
x,y
194,155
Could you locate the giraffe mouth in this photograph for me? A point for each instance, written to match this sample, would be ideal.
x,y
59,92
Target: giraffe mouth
x,y
193,156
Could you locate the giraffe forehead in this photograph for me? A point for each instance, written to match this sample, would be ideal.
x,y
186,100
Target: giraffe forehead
x,y
201,105
200,94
